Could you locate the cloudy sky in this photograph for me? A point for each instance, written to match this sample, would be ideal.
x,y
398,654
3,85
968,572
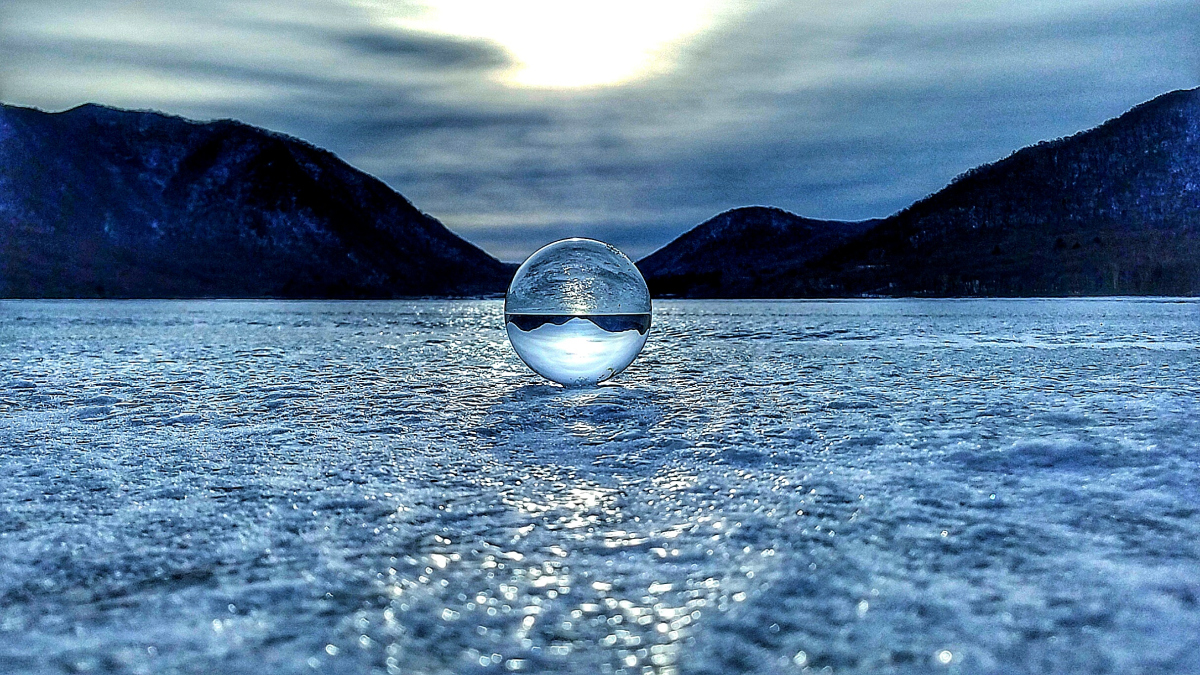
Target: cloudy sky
x,y
517,122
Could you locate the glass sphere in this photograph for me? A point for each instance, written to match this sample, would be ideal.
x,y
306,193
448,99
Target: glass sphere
x,y
577,312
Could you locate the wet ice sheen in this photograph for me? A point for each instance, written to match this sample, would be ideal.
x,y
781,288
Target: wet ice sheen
x,y
870,486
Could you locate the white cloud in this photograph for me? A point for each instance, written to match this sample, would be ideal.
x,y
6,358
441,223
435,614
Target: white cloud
x,y
575,43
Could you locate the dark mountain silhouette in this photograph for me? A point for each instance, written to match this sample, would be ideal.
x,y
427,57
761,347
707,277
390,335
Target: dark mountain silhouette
x,y
98,202
742,253
1112,210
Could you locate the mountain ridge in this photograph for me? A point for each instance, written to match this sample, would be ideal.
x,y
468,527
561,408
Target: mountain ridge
x,y
1111,210
750,242
102,202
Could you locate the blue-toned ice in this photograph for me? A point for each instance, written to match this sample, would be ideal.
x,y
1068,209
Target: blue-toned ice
x,y
361,487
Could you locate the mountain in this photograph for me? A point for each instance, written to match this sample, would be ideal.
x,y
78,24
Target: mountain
x,y
1111,210
744,252
99,202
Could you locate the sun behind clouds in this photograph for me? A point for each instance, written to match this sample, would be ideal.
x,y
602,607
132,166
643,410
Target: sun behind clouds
x,y
567,43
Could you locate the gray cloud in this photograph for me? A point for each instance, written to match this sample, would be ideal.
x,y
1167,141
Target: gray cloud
x,y
846,112
435,51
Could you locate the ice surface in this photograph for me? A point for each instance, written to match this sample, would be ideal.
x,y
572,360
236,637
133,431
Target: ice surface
x,y
868,486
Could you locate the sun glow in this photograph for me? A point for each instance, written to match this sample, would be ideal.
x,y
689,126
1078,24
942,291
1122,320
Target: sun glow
x,y
570,43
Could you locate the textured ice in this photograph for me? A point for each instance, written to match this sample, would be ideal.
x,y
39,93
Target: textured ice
x,y
867,486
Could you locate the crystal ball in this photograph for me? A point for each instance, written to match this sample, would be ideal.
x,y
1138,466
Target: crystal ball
x,y
577,312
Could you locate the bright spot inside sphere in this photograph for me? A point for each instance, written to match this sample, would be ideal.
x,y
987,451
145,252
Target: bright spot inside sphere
x,y
577,312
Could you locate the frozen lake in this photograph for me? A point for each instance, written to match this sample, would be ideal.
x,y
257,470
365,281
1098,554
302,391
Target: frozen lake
x,y
858,487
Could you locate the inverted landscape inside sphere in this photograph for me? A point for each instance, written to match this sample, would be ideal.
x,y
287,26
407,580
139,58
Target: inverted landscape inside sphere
x,y
578,312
